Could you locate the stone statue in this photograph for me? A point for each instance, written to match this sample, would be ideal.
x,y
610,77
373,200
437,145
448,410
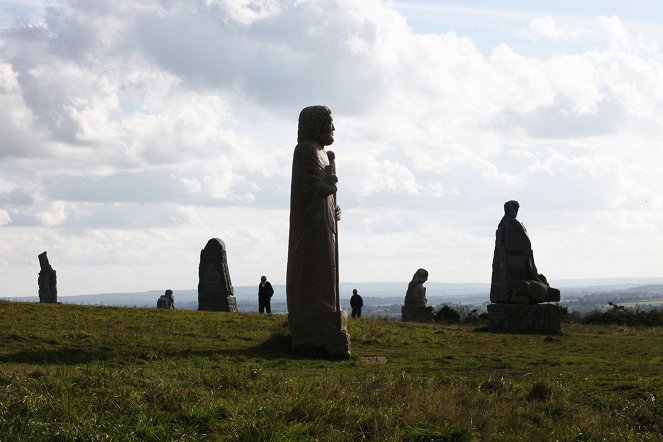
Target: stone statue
x,y
215,291
48,291
314,313
415,309
516,279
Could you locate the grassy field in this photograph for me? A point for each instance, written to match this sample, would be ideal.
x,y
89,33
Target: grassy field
x,y
100,373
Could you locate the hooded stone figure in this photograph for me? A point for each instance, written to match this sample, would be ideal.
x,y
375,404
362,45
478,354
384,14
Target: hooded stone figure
x,y
515,278
414,308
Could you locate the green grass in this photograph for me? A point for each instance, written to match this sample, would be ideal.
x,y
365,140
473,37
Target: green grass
x,y
99,373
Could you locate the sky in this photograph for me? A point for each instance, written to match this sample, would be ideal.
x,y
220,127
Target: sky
x,y
133,131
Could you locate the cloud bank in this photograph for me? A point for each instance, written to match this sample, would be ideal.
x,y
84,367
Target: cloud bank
x,y
134,132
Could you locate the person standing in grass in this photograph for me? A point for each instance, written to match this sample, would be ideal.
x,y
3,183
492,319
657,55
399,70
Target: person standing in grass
x,y
356,302
265,292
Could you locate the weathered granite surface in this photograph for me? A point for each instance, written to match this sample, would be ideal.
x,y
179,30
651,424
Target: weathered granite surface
x,y
537,318
215,290
320,333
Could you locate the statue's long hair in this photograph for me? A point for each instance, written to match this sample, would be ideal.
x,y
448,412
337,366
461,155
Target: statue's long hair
x,y
311,121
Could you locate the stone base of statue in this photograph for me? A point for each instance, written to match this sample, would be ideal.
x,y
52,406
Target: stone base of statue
x,y
217,304
48,298
324,334
411,313
524,318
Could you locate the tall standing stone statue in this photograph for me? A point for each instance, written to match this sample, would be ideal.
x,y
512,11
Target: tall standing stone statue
x,y
215,291
48,291
315,318
516,284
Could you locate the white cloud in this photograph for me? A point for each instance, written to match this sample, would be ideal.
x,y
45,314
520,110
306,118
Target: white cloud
x,y
556,29
174,122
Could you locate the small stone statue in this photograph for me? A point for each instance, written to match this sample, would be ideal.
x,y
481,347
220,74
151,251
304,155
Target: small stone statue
x,y
415,309
48,292
516,279
215,291
314,314
166,301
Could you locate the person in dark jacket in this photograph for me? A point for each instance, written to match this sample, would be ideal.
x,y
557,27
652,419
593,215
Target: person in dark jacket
x,y
265,292
356,302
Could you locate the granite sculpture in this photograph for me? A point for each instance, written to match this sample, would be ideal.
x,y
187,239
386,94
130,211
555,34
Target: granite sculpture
x,y
215,291
517,287
316,321
166,301
47,280
415,309
515,278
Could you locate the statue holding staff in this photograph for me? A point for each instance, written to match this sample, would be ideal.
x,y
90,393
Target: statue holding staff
x,y
314,314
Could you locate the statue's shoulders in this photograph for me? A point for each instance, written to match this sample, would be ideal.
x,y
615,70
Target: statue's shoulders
x,y
308,146
513,225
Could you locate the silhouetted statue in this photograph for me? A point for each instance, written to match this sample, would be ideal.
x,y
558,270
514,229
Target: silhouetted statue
x,y
48,284
314,314
415,309
516,279
215,291
166,301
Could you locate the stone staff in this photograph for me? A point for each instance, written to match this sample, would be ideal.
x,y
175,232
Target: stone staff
x,y
332,170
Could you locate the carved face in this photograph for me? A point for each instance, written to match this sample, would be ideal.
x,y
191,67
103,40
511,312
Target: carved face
x,y
327,132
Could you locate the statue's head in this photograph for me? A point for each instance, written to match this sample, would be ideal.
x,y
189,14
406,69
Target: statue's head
x,y
354,291
511,208
169,293
420,276
316,124
263,278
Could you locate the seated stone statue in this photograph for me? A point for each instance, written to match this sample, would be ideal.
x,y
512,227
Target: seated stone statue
x,y
516,279
415,309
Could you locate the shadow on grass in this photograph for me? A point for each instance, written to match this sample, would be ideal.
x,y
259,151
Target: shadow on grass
x,y
65,355
277,346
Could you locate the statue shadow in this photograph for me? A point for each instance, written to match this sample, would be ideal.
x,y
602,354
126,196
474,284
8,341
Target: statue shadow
x,y
277,346
58,356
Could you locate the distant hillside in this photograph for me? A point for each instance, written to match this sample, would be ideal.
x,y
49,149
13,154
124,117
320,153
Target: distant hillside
x,y
579,295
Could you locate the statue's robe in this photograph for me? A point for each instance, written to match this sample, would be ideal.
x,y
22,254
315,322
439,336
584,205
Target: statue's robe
x,y
312,267
415,295
513,259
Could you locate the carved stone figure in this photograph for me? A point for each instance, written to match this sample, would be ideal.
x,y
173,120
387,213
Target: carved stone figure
x,y
517,287
314,314
516,279
48,291
166,301
215,291
415,309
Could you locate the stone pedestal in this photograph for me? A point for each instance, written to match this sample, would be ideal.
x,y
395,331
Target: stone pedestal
x,y
320,333
536,318
416,314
